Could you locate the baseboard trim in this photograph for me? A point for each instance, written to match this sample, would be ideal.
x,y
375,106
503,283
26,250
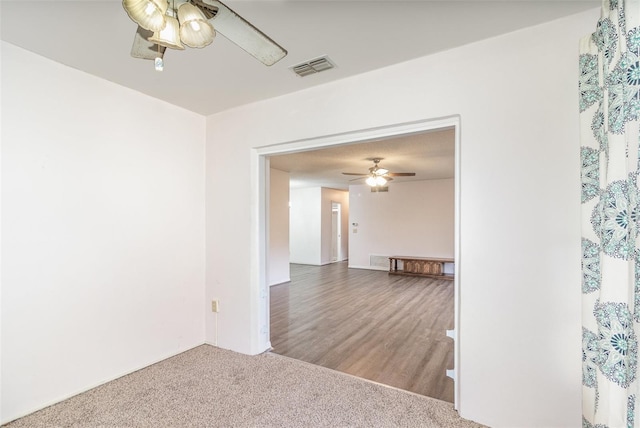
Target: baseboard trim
x,y
282,282
380,268
102,382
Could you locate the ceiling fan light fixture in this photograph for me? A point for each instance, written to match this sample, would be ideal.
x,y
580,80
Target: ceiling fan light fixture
x,y
149,14
195,31
170,36
376,180
381,171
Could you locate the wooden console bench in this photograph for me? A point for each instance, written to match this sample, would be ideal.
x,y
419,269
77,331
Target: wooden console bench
x,y
420,266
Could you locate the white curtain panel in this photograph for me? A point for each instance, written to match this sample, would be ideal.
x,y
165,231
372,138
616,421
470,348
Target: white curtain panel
x,y
609,111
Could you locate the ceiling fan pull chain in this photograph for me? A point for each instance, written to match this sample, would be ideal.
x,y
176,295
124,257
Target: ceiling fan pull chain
x,y
158,61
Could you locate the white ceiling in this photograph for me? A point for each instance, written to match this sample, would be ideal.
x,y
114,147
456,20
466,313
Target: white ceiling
x,y
359,36
429,154
96,37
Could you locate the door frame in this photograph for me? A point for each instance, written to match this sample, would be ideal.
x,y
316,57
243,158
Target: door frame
x,y
260,197
337,232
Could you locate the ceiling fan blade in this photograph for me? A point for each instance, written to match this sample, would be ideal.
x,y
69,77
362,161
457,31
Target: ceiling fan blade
x,y
354,173
143,48
241,32
359,178
400,174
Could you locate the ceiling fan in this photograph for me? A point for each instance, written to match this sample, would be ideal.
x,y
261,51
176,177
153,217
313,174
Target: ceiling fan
x,y
174,23
378,176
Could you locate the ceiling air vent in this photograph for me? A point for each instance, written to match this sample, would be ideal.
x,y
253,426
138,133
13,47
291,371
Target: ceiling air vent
x,y
376,189
313,66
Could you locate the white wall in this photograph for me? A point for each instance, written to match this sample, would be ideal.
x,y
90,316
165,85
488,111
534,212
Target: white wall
x,y
103,231
278,263
306,225
328,196
517,97
310,224
414,218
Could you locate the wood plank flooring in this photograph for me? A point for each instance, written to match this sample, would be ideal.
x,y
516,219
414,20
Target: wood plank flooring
x,y
385,328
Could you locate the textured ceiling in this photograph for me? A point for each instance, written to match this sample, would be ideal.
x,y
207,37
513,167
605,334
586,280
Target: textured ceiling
x,y
430,155
359,36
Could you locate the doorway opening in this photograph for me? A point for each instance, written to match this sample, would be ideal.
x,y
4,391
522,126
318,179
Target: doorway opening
x,y
262,159
336,235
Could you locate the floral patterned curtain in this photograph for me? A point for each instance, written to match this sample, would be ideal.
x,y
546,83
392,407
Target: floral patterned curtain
x,y
609,118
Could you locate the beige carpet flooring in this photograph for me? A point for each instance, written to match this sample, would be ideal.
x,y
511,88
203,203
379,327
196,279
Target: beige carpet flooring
x,y
211,387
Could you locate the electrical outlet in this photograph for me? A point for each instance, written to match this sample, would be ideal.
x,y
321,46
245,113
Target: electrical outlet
x,y
214,306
